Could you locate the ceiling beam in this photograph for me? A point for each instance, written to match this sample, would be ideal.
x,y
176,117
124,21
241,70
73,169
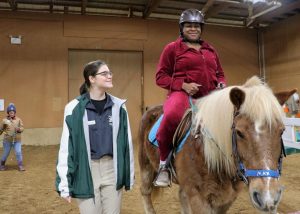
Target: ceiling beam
x,y
83,7
268,17
207,6
151,5
12,4
217,9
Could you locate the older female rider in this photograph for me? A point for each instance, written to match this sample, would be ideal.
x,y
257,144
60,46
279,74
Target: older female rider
x,y
187,67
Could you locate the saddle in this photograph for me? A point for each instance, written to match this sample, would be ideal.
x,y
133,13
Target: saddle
x,y
180,135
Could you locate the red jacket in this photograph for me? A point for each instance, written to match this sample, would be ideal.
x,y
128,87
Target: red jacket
x,y
178,63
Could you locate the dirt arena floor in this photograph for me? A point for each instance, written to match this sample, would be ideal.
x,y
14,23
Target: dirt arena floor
x,y
33,191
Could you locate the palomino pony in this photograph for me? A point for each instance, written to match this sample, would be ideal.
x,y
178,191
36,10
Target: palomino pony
x,y
235,137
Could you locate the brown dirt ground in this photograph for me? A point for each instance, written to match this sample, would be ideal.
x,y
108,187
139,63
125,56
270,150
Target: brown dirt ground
x,y
33,191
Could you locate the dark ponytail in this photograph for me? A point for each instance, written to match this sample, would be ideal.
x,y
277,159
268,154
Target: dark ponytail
x,y
90,69
83,89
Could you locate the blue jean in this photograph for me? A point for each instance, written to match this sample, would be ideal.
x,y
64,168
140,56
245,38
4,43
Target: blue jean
x,y
7,147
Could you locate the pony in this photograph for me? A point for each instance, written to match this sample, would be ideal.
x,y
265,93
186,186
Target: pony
x,y
235,138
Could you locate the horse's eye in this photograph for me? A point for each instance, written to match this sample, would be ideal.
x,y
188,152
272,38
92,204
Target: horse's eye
x,y
240,134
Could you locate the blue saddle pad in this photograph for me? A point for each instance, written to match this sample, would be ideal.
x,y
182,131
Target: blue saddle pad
x,y
154,129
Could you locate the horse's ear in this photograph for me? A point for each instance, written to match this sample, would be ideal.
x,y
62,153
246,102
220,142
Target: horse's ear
x,y
237,97
283,96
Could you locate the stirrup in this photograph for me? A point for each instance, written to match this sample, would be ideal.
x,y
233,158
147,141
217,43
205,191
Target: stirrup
x,y
168,170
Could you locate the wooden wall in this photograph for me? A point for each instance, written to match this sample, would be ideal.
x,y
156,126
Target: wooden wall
x,y
282,45
34,75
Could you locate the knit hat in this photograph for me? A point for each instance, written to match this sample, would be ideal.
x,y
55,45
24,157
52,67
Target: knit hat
x,y
11,107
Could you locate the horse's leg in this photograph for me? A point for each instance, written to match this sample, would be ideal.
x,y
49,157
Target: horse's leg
x,y
224,208
199,205
147,176
185,207
148,158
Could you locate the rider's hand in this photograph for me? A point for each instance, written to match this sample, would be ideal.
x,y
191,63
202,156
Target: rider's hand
x,y
191,88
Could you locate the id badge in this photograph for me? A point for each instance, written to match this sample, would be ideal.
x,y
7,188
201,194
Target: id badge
x,y
91,122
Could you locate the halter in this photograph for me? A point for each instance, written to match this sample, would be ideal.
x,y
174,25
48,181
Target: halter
x,y
244,173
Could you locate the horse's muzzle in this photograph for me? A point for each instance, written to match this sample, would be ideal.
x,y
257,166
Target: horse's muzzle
x,y
266,199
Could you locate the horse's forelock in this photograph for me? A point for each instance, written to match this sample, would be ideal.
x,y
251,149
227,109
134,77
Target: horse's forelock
x,y
253,81
214,119
262,106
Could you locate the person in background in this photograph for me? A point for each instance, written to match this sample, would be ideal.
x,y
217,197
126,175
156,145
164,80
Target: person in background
x,y
12,127
95,159
188,67
292,105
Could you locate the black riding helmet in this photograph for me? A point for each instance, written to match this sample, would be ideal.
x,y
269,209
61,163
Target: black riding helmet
x,y
192,16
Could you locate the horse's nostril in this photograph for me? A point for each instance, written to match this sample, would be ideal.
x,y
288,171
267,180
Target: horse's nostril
x,y
257,198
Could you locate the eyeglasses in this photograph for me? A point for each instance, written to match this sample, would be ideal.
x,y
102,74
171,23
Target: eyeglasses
x,y
105,74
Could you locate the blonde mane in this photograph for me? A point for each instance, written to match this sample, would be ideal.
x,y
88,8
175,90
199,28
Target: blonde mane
x,y
214,119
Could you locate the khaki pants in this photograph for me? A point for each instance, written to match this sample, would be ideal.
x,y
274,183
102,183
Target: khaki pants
x,y
107,198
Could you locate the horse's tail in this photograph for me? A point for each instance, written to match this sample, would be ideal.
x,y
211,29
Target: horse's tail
x,y
141,140
148,119
148,158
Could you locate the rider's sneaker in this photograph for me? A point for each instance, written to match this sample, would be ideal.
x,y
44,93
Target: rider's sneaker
x,y
2,166
21,167
163,177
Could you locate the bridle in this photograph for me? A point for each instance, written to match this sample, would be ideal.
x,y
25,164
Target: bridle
x,y
242,172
